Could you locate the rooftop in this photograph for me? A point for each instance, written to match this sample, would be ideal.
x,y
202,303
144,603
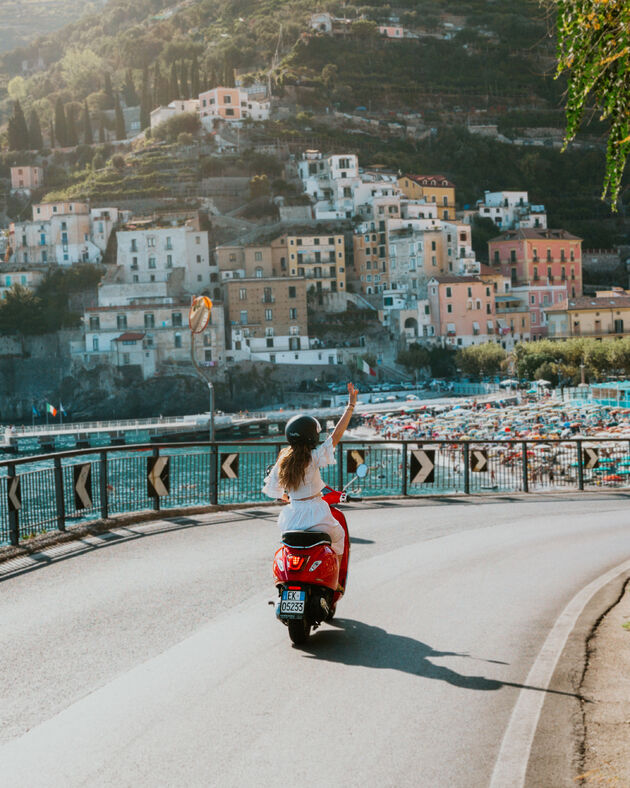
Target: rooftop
x,y
586,302
534,234
429,180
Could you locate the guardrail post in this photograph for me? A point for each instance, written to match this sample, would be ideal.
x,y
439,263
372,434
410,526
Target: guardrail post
x,y
580,461
214,474
156,500
466,468
340,467
525,466
404,467
103,485
59,499
14,522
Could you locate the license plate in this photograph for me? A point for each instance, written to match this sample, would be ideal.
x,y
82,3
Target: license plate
x,y
292,603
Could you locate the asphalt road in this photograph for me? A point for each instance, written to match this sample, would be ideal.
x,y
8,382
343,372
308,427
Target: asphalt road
x,y
154,659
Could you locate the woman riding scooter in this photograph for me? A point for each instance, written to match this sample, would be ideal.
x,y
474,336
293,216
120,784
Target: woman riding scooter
x,y
295,478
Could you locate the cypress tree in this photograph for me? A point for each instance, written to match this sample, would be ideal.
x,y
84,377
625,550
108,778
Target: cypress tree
x,y
88,137
173,92
51,134
121,133
72,138
145,106
13,140
108,90
101,132
35,132
195,88
129,90
157,78
20,128
183,81
61,129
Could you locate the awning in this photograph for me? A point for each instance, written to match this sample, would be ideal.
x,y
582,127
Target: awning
x,y
129,336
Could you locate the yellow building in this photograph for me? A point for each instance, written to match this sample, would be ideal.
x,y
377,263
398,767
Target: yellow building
x,y
432,188
320,259
604,316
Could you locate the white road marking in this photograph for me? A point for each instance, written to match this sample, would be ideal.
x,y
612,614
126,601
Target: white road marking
x,y
511,765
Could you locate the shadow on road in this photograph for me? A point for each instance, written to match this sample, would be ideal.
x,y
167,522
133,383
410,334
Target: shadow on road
x,y
356,643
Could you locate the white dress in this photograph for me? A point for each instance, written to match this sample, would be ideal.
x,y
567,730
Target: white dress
x,y
313,514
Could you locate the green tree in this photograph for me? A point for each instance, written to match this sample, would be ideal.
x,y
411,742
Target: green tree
x,y
195,88
481,360
88,137
72,138
183,80
173,86
36,141
145,101
121,132
20,311
21,129
259,186
594,50
81,70
108,90
61,127
129,90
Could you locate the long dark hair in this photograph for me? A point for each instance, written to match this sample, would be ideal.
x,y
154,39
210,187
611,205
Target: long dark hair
x,y
292,465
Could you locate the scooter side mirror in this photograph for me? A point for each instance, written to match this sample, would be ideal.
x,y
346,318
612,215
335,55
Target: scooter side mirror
x,y
362,471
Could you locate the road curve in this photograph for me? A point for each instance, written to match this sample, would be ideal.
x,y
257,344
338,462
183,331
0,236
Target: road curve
x,y
155,660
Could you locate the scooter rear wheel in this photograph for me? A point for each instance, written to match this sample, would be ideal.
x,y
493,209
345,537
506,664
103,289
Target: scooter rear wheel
x,y
299,631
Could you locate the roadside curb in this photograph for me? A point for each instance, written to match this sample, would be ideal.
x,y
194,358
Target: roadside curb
x,y
557,752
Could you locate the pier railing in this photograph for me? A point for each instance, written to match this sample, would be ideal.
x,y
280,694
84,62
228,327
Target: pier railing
x,y
55,491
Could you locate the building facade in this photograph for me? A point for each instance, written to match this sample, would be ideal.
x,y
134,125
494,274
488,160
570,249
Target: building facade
x,y
432,188
232,105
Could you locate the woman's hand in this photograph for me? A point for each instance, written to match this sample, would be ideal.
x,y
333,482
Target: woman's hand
x,y
352,394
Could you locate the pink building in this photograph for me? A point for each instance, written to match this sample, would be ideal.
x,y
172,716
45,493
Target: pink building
x,y
231,104
391,31
543,266
26,179
462,309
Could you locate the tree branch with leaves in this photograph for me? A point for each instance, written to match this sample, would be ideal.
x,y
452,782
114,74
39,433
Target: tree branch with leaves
x,y
594,50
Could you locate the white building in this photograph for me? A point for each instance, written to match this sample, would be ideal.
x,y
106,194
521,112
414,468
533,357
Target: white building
x,y
60,233
232,105
177,107
27,277
103,221
511,210
149,252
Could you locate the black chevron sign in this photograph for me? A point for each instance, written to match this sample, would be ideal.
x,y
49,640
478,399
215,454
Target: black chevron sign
x,y
14,494
590,458
354,458
422,466
478,460
83,486
158,481
229,466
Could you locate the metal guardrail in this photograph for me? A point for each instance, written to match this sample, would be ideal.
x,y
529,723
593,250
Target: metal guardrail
x,y
230,472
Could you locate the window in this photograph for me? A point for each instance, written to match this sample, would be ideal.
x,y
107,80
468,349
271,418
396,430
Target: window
x,y
126,358
95,322
227,99
293,313
176,319
169,260
259,273
152,262
244,317
198,258
267,295
95,343
470,292
449,308
121,321
448,292
134,263
169,242
269,314
229,112
292,292
151,240
257,256
242,294
149,320
178,340
512,255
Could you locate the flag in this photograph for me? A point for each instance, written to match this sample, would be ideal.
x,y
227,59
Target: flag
x,y
35,411
51,409
62,410
365,367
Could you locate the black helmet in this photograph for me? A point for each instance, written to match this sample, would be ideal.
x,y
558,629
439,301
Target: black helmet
x,y
303,430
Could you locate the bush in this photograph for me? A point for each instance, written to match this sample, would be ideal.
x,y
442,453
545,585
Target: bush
x,y
187,122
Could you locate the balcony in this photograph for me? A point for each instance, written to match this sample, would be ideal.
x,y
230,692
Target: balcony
x,y
268,299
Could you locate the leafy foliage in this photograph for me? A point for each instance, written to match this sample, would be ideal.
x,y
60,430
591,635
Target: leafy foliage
x,y
594,47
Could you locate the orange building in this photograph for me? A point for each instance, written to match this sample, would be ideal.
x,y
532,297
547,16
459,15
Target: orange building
x,y
432,188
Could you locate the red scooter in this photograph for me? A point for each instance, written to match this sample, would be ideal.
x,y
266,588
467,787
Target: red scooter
x,y
309,576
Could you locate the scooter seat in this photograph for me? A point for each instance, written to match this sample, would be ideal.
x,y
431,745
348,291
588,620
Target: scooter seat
x,y
302,539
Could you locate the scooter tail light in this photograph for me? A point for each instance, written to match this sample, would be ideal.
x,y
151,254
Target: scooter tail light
x,y
295,561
